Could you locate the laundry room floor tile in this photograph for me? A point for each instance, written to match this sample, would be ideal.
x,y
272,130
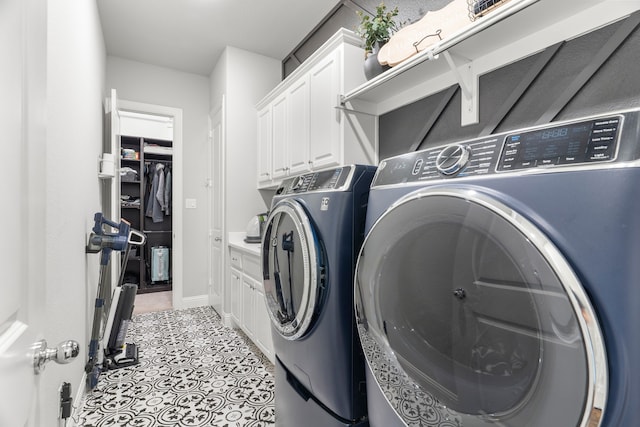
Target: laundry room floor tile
x,y
193,371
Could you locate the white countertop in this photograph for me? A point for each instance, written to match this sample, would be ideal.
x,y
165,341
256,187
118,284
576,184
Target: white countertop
x,y
236,240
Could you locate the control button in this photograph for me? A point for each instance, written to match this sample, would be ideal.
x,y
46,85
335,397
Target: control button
x,y
526,164
298,184
595,157
548,162
452,159
601,151
417,167
568,159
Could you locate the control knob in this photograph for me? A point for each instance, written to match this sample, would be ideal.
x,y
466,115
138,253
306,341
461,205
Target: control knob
x,y
452,158
298,183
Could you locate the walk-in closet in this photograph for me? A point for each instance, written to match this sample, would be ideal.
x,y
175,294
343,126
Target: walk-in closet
x,y
146,184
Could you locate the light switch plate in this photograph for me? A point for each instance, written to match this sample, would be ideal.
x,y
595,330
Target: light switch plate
x,y
190,203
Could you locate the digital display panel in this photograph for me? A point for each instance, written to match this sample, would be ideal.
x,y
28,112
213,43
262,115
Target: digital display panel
x,y
583,142
324,180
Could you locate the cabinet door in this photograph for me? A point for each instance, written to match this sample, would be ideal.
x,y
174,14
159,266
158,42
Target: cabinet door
x,y
299,126
280,137
263,323
236,296
265,141
248,315
324,118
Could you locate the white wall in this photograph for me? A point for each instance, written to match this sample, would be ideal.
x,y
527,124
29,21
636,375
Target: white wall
x,y
244,78
139,82
75,89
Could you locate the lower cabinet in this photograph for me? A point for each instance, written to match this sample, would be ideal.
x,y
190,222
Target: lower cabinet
x,y
248,308
236,292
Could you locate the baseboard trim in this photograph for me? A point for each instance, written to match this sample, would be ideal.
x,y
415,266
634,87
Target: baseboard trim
x,y
227,320
197,301
81,390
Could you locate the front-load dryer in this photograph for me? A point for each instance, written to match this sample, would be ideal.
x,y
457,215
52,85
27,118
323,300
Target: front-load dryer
x,y
498,284
311,240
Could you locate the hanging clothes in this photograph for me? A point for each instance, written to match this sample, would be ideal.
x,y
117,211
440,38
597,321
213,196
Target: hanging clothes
x,y
149,180
167,193
159,195
154,208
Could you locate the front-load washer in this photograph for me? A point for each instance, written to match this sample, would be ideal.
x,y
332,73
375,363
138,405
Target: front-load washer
x,y
311,240
498,284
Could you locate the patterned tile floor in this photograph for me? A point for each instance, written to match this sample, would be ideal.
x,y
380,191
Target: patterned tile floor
x,y
193,371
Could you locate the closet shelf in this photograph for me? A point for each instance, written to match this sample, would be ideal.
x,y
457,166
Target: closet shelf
x,y
156,231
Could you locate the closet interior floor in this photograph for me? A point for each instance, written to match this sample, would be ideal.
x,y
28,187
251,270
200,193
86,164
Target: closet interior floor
x,y
192,371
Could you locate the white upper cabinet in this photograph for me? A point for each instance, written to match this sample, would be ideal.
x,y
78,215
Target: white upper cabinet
x,y
308,129
265,144
324,123
280,152
298,140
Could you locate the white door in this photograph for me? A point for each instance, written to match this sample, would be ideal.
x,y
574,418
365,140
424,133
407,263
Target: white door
x,y
216,213
22,169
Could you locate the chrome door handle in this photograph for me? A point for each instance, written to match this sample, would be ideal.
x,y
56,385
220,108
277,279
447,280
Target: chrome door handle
x,y
217,239
63,353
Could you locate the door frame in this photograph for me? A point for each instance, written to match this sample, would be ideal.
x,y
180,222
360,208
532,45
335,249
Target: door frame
x,y
225,306
177,251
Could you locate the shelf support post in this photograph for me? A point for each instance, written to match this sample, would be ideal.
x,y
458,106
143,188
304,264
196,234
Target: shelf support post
x,y
469,85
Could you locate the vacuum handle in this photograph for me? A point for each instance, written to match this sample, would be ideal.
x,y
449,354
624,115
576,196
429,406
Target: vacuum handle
x,y
100,221
142,238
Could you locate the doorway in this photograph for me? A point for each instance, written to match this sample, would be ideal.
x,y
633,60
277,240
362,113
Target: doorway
x,y
142,113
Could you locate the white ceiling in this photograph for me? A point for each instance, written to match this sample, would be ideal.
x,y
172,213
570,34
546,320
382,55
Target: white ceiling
x,y
190,35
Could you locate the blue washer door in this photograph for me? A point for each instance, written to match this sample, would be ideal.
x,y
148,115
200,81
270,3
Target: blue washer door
x,y
470,316
291,264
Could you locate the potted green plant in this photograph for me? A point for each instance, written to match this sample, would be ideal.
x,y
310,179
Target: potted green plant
x,y
375,31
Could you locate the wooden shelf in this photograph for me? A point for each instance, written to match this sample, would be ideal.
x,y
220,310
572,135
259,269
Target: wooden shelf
x,y
517,29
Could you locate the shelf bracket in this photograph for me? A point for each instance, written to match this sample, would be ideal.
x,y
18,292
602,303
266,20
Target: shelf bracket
x,y
342,105
468,80
351,110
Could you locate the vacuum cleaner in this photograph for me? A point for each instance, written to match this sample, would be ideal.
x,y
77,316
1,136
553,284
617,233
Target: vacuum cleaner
x,y
109,350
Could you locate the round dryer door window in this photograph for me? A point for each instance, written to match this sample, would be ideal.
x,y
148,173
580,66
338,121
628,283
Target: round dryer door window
x,y
469,316
291,261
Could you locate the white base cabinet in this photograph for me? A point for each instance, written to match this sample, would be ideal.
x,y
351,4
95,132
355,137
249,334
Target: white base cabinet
x,y
236,291
301,124
248,309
